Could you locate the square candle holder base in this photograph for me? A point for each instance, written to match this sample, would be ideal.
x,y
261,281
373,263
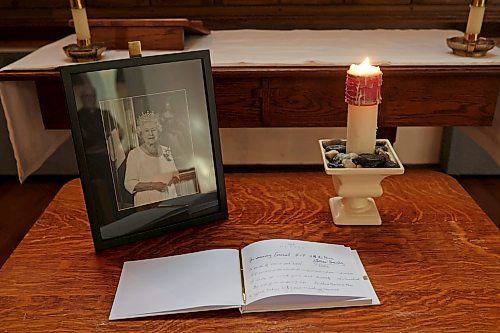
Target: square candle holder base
x,y
356,187
344,215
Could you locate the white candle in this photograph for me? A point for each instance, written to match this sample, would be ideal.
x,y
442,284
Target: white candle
x,y
134,49
81,23
475,21
362,96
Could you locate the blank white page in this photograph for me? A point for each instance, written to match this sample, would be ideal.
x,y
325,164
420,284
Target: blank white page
x,y
190,282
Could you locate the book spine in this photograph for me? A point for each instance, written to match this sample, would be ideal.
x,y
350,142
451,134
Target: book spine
x,y
242,280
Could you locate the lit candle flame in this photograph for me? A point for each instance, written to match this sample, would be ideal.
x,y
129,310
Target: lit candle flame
x,y
364,69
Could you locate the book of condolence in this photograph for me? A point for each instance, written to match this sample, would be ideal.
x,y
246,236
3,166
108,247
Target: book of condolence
x,y
270,275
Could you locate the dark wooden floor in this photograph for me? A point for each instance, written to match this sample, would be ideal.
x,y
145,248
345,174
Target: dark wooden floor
x,y
21,205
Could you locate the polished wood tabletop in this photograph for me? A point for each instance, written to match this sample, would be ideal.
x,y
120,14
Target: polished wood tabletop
x,y
434,261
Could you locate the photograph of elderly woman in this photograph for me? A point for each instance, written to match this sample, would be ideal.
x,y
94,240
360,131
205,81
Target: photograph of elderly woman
x,y
153,160
147,145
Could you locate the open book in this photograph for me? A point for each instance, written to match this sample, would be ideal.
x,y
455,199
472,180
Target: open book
x,y
270,275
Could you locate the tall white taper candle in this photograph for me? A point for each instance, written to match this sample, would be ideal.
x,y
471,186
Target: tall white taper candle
x,y
79,15
81,24
362,96
475,20
361,128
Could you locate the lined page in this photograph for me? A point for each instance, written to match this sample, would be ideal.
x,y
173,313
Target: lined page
x,y
287,267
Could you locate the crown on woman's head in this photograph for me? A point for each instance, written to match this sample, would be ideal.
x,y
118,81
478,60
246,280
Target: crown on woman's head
x,y
148,116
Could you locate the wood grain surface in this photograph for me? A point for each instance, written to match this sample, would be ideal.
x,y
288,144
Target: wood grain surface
x,y
314,96
154,34
18,17
434,262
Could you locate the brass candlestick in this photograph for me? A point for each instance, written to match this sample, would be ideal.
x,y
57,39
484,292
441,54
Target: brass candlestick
x,y
471,45
79,53
84,49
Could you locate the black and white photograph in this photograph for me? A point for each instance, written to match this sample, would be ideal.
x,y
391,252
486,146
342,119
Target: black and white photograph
x,y
146,138
150,148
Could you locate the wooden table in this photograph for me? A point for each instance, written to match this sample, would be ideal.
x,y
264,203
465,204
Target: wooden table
x,y
434,262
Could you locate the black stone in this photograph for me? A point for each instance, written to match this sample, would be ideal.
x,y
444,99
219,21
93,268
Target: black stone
x,y
391,164
380,159
335,165
339,148
381,152
332,142
370,160
330,158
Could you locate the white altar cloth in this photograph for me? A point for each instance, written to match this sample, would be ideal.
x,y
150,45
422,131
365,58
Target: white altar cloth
x,y
32,144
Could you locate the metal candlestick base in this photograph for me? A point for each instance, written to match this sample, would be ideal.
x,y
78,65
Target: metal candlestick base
x,y
356,188
79,53
470,48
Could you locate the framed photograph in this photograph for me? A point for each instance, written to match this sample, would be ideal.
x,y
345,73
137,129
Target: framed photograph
x,y
147,144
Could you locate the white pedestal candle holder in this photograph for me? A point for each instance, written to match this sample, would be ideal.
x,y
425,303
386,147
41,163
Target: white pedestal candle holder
x,y
356,188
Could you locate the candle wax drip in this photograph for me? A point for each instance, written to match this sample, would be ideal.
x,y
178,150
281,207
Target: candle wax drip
x,y
363,90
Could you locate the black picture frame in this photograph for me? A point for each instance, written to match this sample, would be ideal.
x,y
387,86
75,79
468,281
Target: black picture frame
x,y
147,144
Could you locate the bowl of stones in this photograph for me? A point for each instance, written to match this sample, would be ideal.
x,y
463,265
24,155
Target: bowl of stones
x,y
357,180
337,160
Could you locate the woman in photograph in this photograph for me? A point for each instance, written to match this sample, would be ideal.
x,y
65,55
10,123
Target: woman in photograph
x,y
151,173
